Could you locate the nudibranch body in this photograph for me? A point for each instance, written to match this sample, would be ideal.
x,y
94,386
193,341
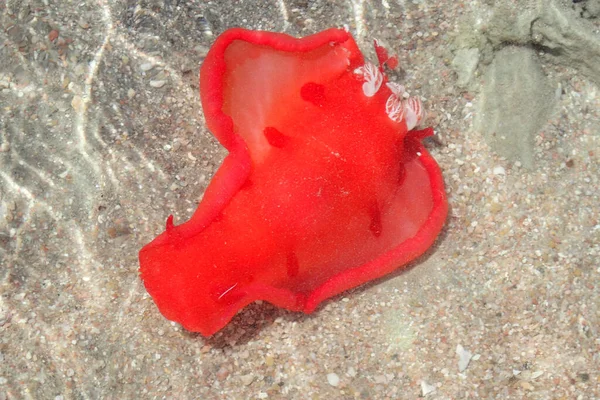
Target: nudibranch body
x,y
326,185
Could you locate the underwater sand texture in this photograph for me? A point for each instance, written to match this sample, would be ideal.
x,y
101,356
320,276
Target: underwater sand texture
x,y
102,137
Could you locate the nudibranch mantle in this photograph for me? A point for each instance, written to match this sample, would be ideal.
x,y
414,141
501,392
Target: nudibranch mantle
x,y
326,185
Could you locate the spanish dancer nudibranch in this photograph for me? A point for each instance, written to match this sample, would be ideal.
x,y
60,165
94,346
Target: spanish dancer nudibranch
x,y
326,186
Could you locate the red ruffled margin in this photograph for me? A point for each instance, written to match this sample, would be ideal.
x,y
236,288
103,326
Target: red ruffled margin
x,y
236,167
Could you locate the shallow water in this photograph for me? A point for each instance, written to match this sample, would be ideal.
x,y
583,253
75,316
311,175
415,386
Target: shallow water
x,y
102,137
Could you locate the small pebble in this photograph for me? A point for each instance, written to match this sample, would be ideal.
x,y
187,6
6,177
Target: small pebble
x,y
146,67
333,379
77,103
464,357
244,354
426,388
526,385
53,35
537,374
157,84
499,170
247,379
222,374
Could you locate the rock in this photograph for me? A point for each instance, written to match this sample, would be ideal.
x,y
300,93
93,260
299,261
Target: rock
x,y
511,23
572,40
591,9
507,35
465,63
546,24
516,102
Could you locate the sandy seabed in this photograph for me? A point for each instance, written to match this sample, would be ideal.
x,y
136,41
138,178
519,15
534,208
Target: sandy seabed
x,y
102,137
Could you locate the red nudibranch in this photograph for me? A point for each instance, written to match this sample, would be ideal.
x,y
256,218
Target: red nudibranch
x,y
326,185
